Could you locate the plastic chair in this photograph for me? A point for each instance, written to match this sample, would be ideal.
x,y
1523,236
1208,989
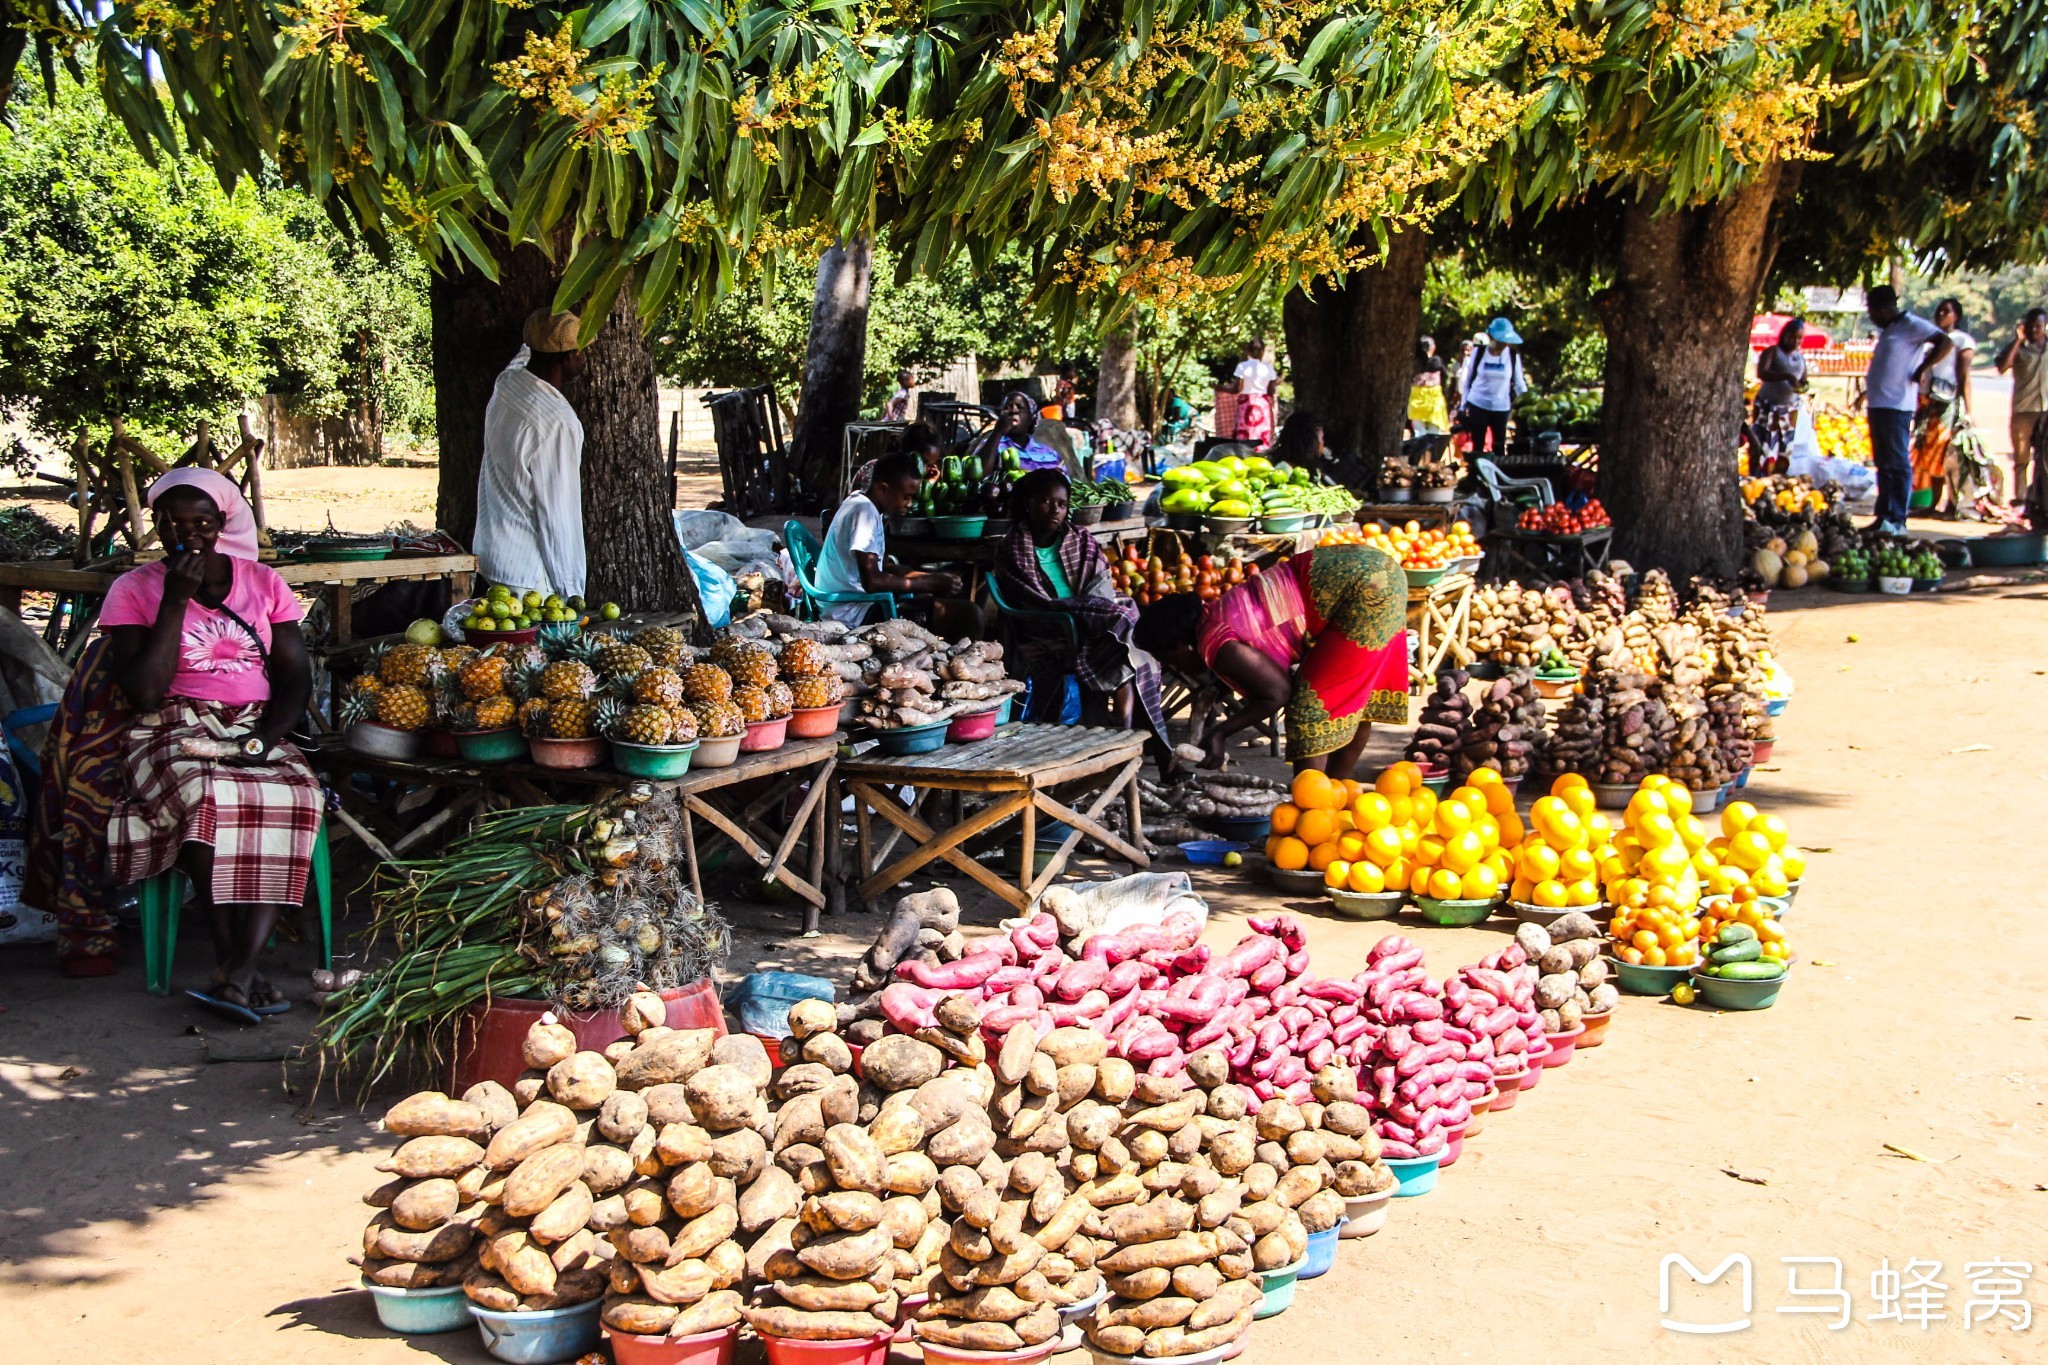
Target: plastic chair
x,y
162,896
1502,488
26,759
803,556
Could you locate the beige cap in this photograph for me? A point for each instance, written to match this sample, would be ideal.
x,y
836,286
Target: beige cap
x,y
545,331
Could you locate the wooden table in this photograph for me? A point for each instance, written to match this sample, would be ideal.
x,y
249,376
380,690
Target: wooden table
x,y
1554,556
754,823
1423,514
1438,615
1018,768
336,577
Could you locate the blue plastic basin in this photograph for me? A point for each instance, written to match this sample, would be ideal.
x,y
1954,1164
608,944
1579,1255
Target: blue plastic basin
x,y
1417,1174
539,1338
419,1312
1322,1252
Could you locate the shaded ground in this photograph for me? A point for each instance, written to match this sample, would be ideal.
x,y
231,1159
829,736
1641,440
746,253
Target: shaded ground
x,y
141,1176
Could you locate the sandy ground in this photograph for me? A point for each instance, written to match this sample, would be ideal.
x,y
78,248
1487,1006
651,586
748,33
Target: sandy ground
x,y
149,1167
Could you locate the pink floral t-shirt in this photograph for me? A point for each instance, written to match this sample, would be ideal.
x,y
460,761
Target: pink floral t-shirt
x,y
217,661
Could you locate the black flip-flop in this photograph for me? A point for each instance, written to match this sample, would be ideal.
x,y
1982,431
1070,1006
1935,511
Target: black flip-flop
x,y
226,1009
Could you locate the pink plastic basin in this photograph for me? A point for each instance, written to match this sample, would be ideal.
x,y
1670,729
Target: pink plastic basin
x,y
972,726
789,1351
1563,1045
708,1348
936,1354
1454,1147
1508,1089
764,734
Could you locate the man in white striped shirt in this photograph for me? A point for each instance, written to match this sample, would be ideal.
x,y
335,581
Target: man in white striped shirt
x,y
529,492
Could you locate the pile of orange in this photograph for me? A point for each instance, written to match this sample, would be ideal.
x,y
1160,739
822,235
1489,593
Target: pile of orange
x,y
1417,548
1568,851
1741,906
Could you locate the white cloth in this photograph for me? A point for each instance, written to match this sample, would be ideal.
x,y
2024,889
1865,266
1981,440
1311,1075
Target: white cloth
x,y
1493,379
1888,383
857,528
1255,376
529,494
1940,378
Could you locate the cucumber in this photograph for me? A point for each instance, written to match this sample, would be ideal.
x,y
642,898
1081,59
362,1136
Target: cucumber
x,y
1751,971
1749,951
1732,933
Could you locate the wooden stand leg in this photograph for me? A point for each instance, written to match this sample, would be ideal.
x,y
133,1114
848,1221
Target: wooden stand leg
x,y
690,855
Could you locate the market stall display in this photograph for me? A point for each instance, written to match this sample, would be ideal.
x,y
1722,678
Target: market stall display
x,y
1146,578
1561,519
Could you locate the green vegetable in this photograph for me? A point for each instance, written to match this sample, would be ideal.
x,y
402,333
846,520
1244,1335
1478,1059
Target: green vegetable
x,y
1749,950
1734,933
1750,971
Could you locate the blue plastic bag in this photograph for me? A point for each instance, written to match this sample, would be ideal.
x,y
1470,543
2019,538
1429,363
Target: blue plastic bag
x,y
715,588
761,1000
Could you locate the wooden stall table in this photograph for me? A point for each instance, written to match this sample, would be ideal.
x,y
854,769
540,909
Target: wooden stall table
x,y
1423,514
1018,768
1439,615
754,824
1554,556
333,577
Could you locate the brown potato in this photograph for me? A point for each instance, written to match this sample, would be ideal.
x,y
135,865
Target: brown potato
x,y
545,1044
432,1114
543,1125
427,1158
424,1204
565,1215
536,1181
670,1059
773,1195
797,1325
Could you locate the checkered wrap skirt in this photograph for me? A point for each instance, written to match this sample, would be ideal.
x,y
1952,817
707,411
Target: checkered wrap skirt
x,y
259,821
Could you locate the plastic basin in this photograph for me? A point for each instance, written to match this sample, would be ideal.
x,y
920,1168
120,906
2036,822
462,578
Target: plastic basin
x,y
652,760
1322,1252
1085,1309
1287,523
1453,913
1229,526
1417,1174
1557,685
1367,904
721,751
491,746
1454,1146
815,722
419,1312
1776,706
1594,1028
913,739
1988,552
706,1348
1724,994
1248,828
567,753
1423,578
1211,852
1638,979
1533,1077
539,1338
763,735
974,725
1563,1045
1547,915
906,1307
1297,880
1477,1123
1507,1091
1894,587
1761,751
789,1351
381,741
439,744
954,1355
958,528
1278,1286
487,1045
1613,795
1366,1214
1210,1357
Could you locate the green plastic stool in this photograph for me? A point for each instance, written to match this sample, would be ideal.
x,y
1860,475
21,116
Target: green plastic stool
x,y
163,895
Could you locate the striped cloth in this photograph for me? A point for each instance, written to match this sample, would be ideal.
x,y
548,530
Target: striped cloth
x,y
259,821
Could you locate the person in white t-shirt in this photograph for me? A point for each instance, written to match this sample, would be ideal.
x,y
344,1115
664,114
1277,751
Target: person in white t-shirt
x,y
854,557
1907,347
1490,383
1944,398
1254,380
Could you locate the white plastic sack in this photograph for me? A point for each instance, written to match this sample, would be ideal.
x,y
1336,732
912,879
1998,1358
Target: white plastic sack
x,y
1113,906
738,557
1805,440
18,923
699,528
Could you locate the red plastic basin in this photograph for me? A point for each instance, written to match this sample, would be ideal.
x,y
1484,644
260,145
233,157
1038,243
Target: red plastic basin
x,y
763,735
1563,1045
972,726
789,1351
487,1042
818,722
708,1348
1508,1089
1454,1147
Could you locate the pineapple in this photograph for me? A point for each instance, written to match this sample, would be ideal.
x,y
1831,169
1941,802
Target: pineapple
x,y
802,659
663,645
532,715
647,725
484,676
407,665
618,659
566,640
364,685
752,703
494,712
780,699
659,687
402,706
707,683
455,658
811,694
568,680
569,718
749,661
682,725
719,718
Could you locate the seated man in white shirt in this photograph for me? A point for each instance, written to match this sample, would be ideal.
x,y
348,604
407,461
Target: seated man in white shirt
x,y
854,557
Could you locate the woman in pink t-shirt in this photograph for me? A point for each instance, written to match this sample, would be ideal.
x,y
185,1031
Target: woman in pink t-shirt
x,y
206,646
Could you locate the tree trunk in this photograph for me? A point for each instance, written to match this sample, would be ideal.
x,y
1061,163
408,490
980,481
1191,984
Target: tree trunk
x,y
1116,381
632,552
1677,320
835,368
1351,351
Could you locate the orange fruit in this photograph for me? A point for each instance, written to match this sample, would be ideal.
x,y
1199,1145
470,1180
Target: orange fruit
x,y
1316,826
1511,832
1429,849
1575,863
1425,805
1370,811
1403,808
1735,817
1773,829
1585,891
1462,852
1444,885
1351,846
1678,800
1482,883
1484,777
1538,861
1470,797
1383,846
1656,830
1582,802
1313,790
1322,855
1567,781
1522,889
1292,854
1653,956
1549,894
1499,800
1284,816
1396,780
1401,874
1366,879
1749,850
1452,818
1337,873
1632,955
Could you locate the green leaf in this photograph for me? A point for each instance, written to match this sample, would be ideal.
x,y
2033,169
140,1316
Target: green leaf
x,y
609,19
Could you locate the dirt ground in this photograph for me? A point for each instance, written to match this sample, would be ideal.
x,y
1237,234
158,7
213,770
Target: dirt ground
x,y
153,1159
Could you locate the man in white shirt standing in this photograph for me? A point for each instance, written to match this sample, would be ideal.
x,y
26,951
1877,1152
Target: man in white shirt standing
x,y
1891,389
1491,382
529,493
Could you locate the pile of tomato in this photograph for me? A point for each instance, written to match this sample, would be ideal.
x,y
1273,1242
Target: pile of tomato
x,y
1559,520
1145,580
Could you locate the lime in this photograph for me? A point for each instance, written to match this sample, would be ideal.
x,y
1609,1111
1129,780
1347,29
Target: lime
x,y
1682,993
501,609
1233,860
482,623
610,611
